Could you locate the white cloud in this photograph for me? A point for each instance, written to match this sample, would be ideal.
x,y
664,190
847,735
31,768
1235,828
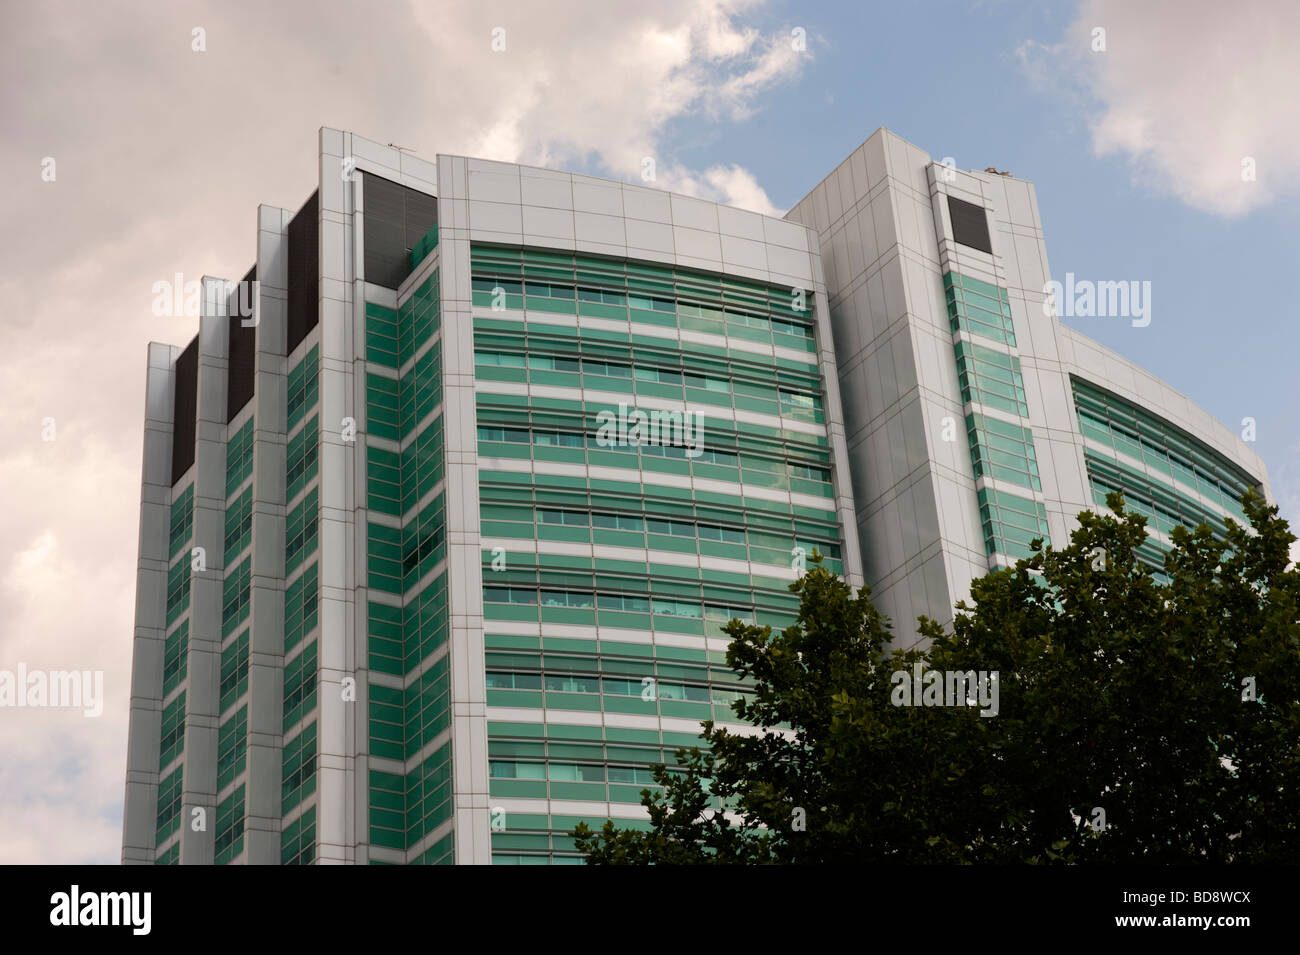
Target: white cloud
x,y
161,171
1186,90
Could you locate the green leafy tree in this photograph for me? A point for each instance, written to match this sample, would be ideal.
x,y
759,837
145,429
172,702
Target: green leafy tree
x,y
1135,720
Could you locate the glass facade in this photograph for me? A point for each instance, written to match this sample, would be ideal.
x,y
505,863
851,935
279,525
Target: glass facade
x,y
997,418
661,563
299,753
1164,473
409,715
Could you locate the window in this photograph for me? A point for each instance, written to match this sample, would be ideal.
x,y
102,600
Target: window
x,y
606,369
506,435
513,681
509,595
623,603
175,656
604,296
229,841
674,528
573,518
726,535
617,522
232,746
725,614
794,399
234,670
547,290
298,769
172,742
706,383
499,359
567,683
723,458
970,225
487,284
661,375
675,608
650,302
559,439
565,598
553,363
302,457
809,473
684,692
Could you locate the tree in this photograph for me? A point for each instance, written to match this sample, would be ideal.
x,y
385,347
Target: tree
x,y
1131,720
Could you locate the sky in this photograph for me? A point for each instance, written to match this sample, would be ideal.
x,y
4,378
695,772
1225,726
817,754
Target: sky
x,y
1165,148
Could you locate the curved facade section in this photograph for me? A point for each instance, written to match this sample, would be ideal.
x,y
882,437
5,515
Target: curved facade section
x,y
1173,461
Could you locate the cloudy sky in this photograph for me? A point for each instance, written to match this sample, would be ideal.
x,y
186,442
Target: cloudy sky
x,y
162,153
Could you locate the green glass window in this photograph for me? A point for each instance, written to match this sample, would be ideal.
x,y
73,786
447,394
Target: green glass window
x,y
176,656
172,742
234,671
300,607
169,805
229,833
302,457
300,685
236,593
298,839
239,457
303,388
182,520
232,748
1003,451
979,308
300,531
178,588
298,779
239,525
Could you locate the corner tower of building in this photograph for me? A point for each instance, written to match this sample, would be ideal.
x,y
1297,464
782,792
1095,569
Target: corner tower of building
x,y
977,422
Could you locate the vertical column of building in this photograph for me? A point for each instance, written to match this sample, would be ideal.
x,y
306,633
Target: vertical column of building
x,y
893,351
264,704
139,829
336,741
465,585
995,406
207,583
835,426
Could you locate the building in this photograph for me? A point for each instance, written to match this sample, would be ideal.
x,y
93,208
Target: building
x,y
976,421
445,506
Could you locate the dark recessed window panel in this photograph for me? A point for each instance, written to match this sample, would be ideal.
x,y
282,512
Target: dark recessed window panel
x,y
970,225
184,409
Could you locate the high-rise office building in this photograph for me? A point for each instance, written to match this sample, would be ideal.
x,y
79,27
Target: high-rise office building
x,y
445,506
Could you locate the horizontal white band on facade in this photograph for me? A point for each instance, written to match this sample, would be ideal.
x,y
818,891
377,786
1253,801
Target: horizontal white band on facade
x,y
611,552
573,631
597,811
650,331
601,472
520,389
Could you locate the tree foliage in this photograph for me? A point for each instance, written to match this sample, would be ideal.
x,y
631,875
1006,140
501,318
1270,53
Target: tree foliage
x,y
1173,708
